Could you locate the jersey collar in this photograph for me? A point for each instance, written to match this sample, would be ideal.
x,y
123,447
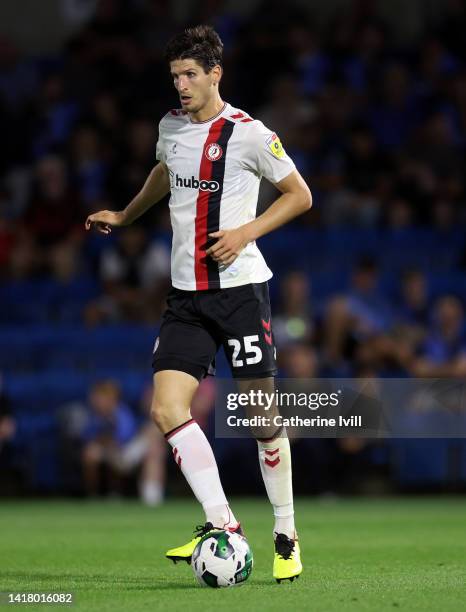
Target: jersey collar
x,y
221,111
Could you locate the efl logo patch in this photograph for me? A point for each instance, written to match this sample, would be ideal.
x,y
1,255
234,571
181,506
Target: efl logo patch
x,y
213,151
275,146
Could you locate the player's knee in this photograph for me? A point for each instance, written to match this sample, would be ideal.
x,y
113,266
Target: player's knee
x,y
157,412
162,413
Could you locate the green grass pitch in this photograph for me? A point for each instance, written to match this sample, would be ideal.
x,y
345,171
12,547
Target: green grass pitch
x,y
393,554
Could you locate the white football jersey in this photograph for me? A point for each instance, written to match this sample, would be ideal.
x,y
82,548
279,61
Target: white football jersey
x,y
215,168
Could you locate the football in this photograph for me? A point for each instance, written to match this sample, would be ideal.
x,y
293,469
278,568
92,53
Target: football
x,y
222,559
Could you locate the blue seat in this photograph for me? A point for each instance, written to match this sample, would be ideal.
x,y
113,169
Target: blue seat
x,y
40,347
46,391
448,282
420,462
45,300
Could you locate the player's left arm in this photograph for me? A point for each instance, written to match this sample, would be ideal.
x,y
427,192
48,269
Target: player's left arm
x,y
295,199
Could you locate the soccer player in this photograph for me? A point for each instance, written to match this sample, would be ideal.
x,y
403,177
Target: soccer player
x,y
212,157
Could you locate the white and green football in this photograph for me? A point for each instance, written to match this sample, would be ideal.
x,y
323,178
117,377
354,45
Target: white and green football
x,y
222,559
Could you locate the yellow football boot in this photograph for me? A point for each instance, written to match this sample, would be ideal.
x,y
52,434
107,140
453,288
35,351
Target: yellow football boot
x,y
287,561
185,552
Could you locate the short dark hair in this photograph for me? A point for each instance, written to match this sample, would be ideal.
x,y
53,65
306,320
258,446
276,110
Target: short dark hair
x,y
201,43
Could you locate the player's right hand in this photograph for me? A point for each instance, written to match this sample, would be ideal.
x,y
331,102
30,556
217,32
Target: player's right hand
x,y
104,220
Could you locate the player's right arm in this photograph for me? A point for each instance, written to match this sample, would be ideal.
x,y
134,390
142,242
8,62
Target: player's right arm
x,y
157,186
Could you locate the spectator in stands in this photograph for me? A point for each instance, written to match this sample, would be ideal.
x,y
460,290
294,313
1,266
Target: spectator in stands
x,y
361,61
360,314
89,165
445,217
148,449
64,262
400,214
390,351
57,114
8,427
135,160
412,303
7,235
7,424
122,443
437,145
134,274
18,75
299,360
53,213
286,109
294,319
443,354
311,62
363,160
110,427
105,113
25,259
393,113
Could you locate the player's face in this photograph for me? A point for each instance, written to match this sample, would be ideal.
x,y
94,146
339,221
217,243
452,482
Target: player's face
x,y
194,86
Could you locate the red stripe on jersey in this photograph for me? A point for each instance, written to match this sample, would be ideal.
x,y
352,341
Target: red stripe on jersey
x,y
202,209
246,120
237,116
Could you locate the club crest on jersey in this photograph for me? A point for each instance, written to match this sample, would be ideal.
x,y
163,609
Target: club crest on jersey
x,y
213,151
275,146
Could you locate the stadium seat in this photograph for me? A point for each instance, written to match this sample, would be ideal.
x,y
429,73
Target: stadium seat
x,y
420,462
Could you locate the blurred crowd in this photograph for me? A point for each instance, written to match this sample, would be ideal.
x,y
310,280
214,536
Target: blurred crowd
x,y
364,333
376,125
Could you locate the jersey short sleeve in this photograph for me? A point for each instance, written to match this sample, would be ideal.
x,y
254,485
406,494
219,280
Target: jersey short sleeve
x,y
160,148
263,153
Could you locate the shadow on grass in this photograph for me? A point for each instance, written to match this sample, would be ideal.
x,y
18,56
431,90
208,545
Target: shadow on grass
x,y
126,583
166,586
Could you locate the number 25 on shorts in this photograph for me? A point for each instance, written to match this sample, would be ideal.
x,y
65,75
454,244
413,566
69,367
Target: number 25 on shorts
x,y
252,352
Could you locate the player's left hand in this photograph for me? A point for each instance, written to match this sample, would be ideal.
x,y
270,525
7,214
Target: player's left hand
x,y
229,245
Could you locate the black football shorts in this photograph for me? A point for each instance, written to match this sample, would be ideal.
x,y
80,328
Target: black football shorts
x,y
197,323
